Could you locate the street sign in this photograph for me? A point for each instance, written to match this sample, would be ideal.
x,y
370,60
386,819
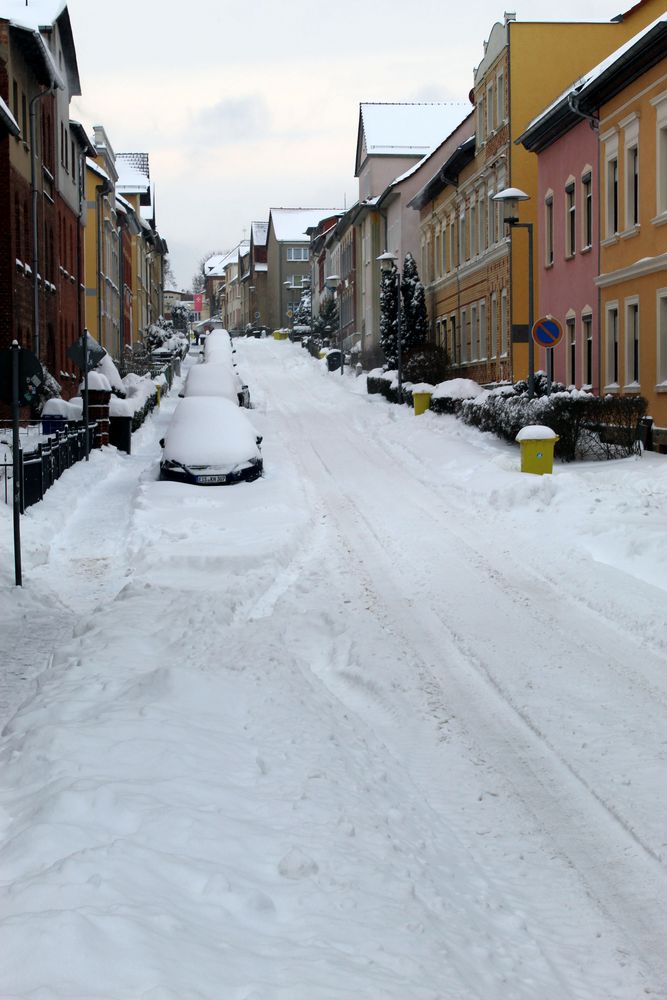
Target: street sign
x,y
30,376
95,353
290,313
258,314
547,332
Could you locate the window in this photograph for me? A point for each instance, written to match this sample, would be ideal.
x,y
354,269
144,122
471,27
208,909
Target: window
x,y
15,100
587,204
503,323
630,126
464,338
24,117
570,220
490,108
452,246
632,341
587,325
662,335
483,230
612,197
437,256
571,344
473,229
474,334
549,231
462,237
444,251
494,325
297,253
454,334
611,337
500,100
482,330
491,218
480,120
660,104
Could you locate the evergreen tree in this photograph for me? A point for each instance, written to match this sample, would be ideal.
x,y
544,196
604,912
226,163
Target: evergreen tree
x,y
414,321
302,312
389,316
328,317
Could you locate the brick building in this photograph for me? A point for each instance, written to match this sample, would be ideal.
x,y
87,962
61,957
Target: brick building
x,y
41,155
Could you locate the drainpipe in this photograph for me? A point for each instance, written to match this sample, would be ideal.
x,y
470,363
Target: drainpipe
x,y
35,228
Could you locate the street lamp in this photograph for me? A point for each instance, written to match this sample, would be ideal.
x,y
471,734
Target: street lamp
x,y
509,198
331,282
387,263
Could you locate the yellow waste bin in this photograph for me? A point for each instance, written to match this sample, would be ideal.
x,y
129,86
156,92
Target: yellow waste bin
x,y
159,393
421,401
276,334
537,449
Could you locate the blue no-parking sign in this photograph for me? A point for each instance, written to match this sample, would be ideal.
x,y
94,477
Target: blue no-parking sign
x,y
547,332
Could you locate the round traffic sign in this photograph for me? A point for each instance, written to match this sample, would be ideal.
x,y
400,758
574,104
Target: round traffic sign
x,y
547,332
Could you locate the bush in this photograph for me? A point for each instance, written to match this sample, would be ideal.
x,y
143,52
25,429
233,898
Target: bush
x,y
428,363
587,426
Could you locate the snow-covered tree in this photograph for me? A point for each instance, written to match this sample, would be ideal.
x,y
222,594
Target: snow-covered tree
x,y
328,317
389,316
302,313
414,321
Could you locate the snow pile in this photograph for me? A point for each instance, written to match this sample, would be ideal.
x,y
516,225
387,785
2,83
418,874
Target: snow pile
x,y
108,368
536,432
97,382
61,408
458,388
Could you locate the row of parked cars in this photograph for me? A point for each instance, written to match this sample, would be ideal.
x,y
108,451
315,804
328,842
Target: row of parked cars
x,y
210,440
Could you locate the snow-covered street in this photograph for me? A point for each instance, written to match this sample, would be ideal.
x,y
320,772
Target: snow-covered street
x,y
389,723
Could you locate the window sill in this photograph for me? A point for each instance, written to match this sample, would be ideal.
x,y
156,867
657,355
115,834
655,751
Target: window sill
x,y
610,241
627,234
632,387
587,248
660,220
661,387
612,389
548,265
570,256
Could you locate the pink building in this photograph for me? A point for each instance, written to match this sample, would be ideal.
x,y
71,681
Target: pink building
x,y
566,246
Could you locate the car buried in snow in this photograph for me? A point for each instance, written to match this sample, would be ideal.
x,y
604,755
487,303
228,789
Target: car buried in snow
x,y
216,379
210,442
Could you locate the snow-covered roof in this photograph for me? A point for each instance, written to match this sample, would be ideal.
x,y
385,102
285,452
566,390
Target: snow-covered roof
x,y
130,179
261,267
401,129
290,224
8,120
96,169
259,231
39,13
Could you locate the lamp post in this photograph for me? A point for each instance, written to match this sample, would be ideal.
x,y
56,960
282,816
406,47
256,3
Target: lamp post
x,y
332,281
387,263
509,198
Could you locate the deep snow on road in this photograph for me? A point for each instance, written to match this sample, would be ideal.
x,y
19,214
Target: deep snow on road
x,y
388,723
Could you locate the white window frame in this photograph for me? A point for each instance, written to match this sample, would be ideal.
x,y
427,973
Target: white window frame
x,y
570,217
455,335
612,346
586,208
490,109
630,126
494,325
549,228
482,331
474,332
660,105
586,339
500,99
463,337
473,228
632,338
661,334
612,207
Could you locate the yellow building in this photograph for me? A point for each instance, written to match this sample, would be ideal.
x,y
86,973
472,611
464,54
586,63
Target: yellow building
x,y
629,96
102,258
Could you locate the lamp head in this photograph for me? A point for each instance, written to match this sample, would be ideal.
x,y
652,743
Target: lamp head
x,y
510,198
387,260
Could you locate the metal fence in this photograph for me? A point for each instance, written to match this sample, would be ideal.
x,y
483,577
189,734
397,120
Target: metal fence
x,y
42,460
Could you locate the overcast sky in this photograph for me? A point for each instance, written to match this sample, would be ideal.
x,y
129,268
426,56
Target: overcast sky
x,y
246,106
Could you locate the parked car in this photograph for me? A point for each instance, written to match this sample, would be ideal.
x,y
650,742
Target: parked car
x,y
215,380
218,346
210,442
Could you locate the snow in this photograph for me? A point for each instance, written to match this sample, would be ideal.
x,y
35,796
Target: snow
x,y
387,723
422,387
290,224
410,128
107,367
37,14
61,408
97,381
458,388
8,119
210,431
212,380
536,432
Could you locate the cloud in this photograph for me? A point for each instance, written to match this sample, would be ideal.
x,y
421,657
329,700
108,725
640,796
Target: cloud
x,y
233,120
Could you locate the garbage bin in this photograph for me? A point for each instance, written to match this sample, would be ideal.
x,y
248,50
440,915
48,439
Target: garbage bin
x,y
333,360
120,433
537,449
421,398
52,423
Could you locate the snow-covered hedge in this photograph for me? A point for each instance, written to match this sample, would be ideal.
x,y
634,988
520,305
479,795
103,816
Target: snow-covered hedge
x,y
448,396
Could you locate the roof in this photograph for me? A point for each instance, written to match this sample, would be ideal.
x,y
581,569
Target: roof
x,y
129,179
405,129
447,174
290,224
8,120
41,15
602,82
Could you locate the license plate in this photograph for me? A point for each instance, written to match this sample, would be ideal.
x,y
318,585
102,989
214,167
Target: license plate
x,y
211,479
